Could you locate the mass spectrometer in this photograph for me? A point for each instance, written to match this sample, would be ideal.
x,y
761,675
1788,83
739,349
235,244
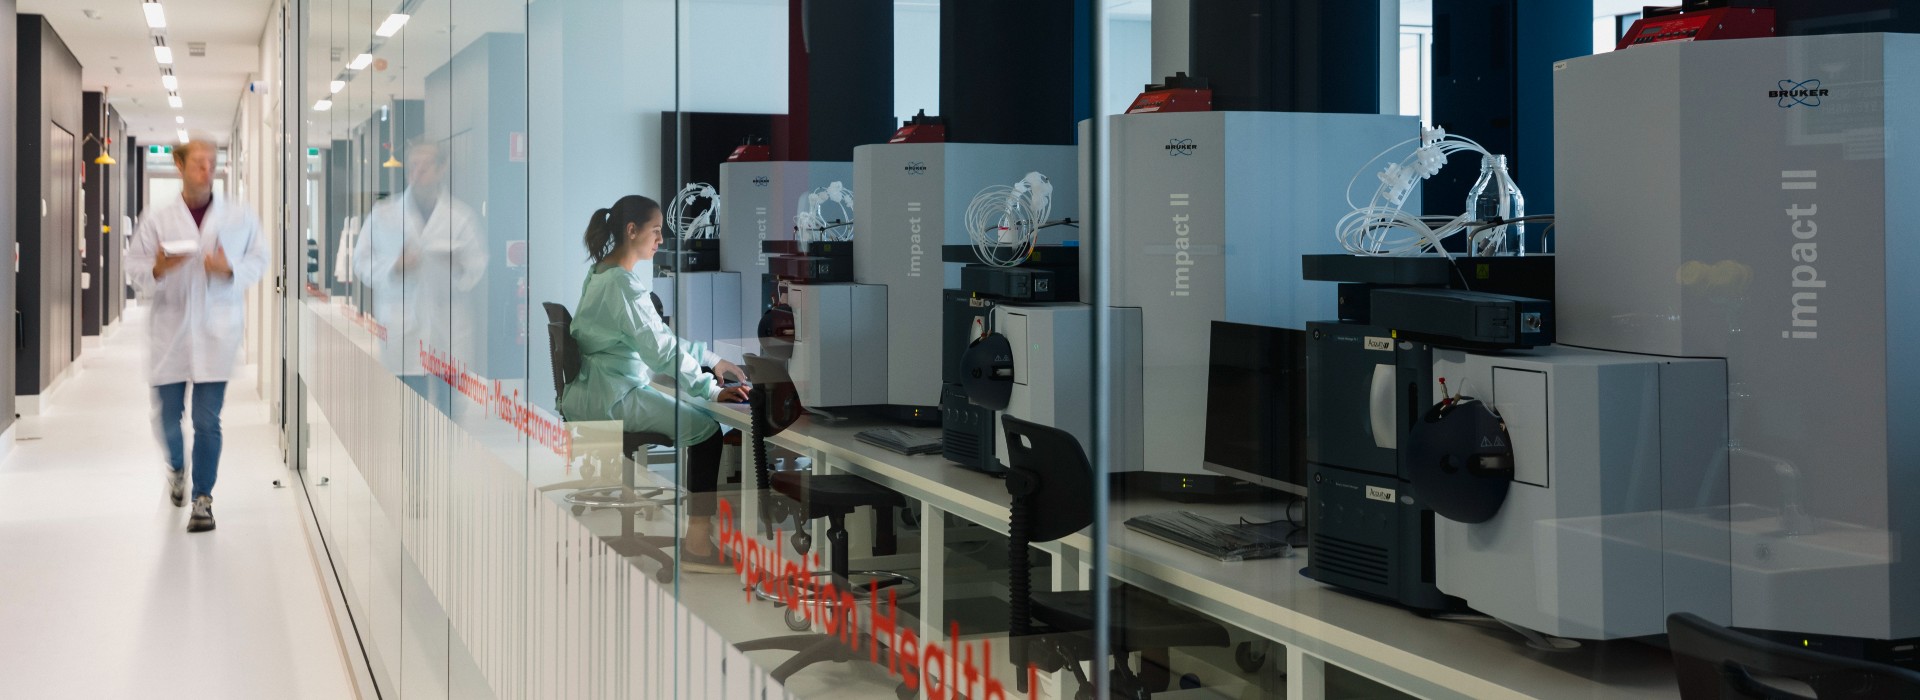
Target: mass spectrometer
x,y
1753,204
1721,428
911,201
1210,213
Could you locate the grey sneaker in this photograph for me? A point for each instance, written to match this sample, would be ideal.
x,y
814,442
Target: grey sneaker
x,y
202,518
177,486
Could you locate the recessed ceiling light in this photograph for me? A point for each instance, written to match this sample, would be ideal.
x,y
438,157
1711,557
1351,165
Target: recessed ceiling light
x,y
323,105
173,101
360,61
392,26
163,54
182,133
336,86
171,82
179,120
156,16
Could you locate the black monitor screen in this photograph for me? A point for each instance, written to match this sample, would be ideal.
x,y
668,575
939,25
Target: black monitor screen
x,y
1256,398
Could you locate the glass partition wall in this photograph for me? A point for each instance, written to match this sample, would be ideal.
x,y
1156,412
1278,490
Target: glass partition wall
x,y
906,348
551,239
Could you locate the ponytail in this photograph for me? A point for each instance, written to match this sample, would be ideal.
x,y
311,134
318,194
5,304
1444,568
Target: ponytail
x,y
606,226
600,239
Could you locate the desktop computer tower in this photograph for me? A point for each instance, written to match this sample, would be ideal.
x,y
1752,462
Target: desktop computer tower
x,y
966,430
1368,529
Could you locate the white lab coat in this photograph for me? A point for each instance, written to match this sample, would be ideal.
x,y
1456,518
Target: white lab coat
x,y
429,305
197,323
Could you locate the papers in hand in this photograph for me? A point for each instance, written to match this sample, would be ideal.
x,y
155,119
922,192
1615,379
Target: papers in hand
x,y
180,247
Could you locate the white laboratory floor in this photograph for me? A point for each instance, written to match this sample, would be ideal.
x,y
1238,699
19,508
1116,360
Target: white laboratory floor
x,y
103,593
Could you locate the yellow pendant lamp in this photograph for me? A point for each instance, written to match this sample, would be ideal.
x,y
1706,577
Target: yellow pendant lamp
x,y
104,158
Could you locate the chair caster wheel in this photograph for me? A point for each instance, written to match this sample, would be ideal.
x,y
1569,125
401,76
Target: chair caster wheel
x,y
904,693
802,542
664,575
1249,658
797,621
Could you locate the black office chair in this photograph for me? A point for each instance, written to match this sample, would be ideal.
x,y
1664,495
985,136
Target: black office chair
x,y
628,498
1051,483
775,405
1716,663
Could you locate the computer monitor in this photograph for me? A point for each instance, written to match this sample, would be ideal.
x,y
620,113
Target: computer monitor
x,y
1256,403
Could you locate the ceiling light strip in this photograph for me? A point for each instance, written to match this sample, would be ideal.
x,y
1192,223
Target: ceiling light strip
x,y
156,16
392,26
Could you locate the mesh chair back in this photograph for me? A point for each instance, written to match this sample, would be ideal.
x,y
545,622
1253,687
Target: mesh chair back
x,y
1047,468
564,352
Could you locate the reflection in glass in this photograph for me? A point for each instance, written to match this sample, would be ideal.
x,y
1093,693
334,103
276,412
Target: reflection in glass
x,y
416,253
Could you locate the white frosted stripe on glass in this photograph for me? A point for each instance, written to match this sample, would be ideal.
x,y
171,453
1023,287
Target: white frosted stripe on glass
x,y
543,607
738,677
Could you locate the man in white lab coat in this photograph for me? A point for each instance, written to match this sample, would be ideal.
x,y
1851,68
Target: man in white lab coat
x,y
422,254
195,257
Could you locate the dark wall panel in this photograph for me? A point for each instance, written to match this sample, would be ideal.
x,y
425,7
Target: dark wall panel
x,y
1493,83
48,288
1007,71
9,189
93,263
339,207
1287,55
849,85
115,182
694,144
136,196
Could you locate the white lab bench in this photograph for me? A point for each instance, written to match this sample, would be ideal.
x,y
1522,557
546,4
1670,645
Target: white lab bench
x,y
1318,625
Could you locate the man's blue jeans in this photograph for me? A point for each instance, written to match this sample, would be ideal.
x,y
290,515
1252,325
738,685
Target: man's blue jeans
x,y
207,400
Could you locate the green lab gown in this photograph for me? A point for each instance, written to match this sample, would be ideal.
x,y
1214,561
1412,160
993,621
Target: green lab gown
x,y
623,343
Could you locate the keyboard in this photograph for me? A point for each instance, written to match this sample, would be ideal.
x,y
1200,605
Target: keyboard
x,y
905,442
1222,541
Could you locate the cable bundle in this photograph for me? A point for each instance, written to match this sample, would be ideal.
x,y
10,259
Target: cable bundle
x,y
1004,222
813,224
1383,227
703,225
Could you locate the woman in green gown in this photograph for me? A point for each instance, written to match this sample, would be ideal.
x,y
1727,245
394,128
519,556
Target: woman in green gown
x,y
624,343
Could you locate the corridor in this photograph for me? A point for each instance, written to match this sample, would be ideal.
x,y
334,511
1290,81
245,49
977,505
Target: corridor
x,y
105,595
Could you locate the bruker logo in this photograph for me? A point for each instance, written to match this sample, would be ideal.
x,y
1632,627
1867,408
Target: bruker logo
x,y
1180,147
762,181
1798,93
917,168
